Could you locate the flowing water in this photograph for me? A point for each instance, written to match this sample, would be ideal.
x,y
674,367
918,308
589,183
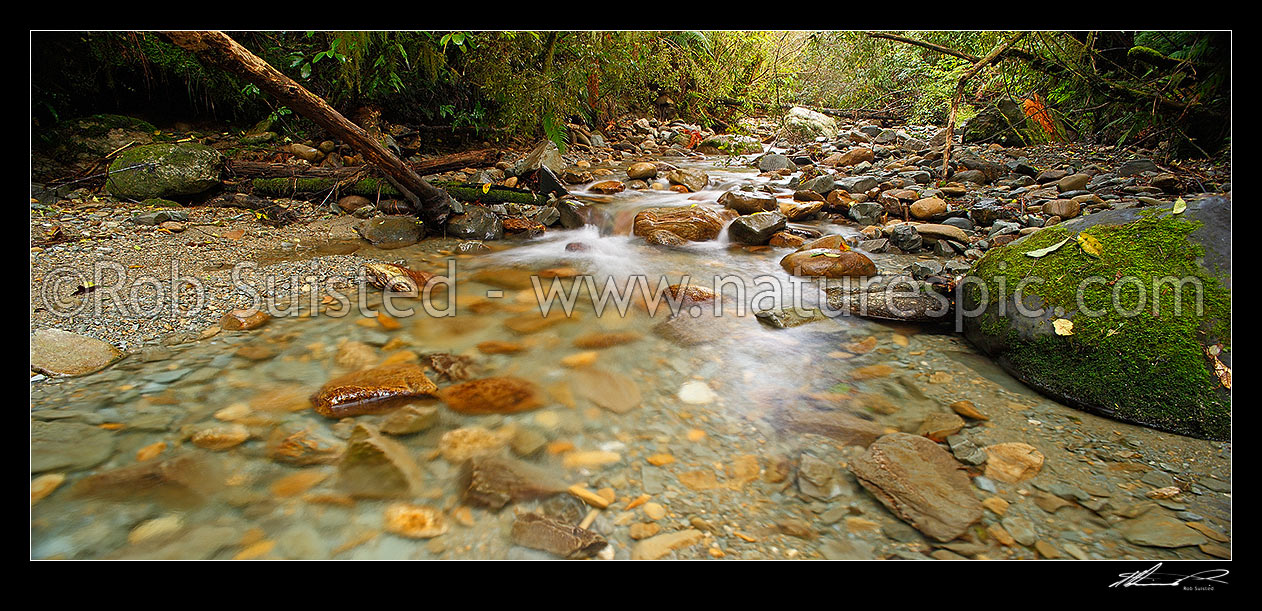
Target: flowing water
x,y
706,441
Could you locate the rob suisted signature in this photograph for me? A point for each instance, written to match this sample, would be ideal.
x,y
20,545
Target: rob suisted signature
x,y
1151,577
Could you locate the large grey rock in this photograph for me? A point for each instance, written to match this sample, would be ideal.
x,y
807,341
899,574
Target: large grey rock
x,y
772,162
906,238
1001,123
478,223
1155,530
819,184
165,171
756,228
867,213
694,180
544,155
804,125
857,184
390,232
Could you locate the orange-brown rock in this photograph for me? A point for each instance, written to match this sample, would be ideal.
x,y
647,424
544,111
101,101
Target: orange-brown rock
x,y
397,278
589,341
500,347
855,156
372,390
608,187
661,237
834,242
243,320
784,238
415,521
828,263
692,223
689,294
502,395
803,211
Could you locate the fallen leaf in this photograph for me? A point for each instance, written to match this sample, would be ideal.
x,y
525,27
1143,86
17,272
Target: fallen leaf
x,y
1090,245
1180,206
1222,371
1063,326
1042,252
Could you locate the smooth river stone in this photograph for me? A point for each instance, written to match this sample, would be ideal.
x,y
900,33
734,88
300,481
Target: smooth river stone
x,y
692,223
61,353
828,263
372,390
375,466
68,446
920,483
503,395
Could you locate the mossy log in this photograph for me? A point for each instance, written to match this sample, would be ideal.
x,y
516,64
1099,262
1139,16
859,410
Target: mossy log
x,y
373,187
434,165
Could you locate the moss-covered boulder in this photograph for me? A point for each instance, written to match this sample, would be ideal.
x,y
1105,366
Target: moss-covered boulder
x,y
1004,123
165,170
1150,314
805,125
726,144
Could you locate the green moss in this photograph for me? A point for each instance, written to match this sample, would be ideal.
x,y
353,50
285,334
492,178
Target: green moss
x,y
1147,367
283,187
371,187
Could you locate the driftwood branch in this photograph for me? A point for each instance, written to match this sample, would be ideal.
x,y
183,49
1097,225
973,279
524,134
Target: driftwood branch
x,y
220,50
972,59
861,113
959,95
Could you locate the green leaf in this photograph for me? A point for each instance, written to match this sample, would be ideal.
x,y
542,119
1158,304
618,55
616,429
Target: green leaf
x,y
554,131
1042,252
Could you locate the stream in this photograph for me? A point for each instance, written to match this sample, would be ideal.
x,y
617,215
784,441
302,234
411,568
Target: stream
x,y
714,441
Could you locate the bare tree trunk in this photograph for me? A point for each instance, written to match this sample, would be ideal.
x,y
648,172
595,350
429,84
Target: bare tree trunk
x,y
959,95
218,49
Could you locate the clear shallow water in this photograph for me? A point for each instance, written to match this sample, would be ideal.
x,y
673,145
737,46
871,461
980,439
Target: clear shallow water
x,y
714,407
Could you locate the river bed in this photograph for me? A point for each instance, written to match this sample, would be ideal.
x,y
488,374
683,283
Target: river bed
x,y
706,441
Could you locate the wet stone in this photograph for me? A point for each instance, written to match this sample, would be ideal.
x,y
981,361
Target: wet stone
x,y
376,467
372,390
68,446
921,483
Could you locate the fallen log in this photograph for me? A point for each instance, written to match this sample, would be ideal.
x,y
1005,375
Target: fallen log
x,y
862,113
218,49
445,163
373,188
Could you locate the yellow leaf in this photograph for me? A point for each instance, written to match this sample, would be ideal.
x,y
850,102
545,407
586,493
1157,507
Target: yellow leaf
x,y
1063,326
1180,205
486,188
1090,245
